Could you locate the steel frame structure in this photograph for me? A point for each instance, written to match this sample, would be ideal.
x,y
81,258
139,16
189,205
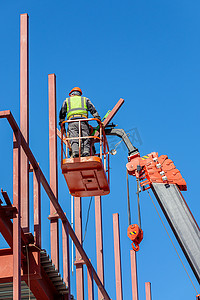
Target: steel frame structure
x,y
23,258
20,143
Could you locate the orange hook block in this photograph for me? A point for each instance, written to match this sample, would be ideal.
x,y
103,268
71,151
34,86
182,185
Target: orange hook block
x,y
198,297
135,234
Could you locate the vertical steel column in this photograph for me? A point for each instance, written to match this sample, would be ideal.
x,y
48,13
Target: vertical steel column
x,y
79,263
17,218
148,290
37,207
99,241
53,168
24,118
90,284
66,263
134,275
118,273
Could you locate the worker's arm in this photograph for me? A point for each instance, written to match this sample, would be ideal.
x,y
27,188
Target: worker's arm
x,y
63,113
91,108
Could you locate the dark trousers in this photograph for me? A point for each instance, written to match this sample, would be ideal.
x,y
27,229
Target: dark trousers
x,y
73,130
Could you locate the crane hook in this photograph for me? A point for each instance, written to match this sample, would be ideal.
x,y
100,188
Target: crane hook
x,y
135,234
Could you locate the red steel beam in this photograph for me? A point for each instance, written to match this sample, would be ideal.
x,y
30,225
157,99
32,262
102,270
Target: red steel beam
x,y
53,169
6,229
43,288
90,285
6,262
24,118
79,266
148,290
17,219
37,207
118,273
6,198
113,112
66,258
40,284
8,115
99,241
6,226
134,275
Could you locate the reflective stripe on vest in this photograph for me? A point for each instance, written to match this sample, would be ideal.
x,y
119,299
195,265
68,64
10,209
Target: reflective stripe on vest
x,y
76,105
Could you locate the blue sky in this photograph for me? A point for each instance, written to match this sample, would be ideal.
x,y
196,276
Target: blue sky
x,y
146,52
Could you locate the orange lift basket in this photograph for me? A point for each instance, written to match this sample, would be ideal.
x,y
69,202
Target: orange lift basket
x,y
86,176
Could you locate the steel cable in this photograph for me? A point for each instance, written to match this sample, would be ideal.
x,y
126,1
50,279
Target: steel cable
x,y
128,199
88,213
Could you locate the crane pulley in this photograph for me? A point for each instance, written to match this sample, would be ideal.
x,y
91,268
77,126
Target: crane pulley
x,y
135,233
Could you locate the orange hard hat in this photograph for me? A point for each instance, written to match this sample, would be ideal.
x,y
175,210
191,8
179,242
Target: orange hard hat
x,y
75,89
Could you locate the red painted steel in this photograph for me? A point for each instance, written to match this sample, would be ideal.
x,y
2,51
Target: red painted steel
x,y
6,198
148,290
6,229
7,114
37,207
43,288
118,272
79,266
90,284
24,117
6,263
113,112
17,219
99,241
53,168
66,257
134,275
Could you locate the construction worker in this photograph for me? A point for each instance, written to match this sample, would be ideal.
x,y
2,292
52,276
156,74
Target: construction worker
x,y
77,107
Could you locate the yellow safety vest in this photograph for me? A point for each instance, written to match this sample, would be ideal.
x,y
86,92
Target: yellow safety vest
x,y
76,105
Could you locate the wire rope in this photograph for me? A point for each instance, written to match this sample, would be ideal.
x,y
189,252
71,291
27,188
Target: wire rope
x,y
138,202
128,199
86,224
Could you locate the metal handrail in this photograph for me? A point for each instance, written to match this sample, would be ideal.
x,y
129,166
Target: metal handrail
x,y
101,139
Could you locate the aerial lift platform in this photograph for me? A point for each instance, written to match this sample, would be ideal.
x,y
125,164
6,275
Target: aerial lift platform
x,y
88,176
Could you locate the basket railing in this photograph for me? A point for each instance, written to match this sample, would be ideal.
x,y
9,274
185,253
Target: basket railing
x,y
99,138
